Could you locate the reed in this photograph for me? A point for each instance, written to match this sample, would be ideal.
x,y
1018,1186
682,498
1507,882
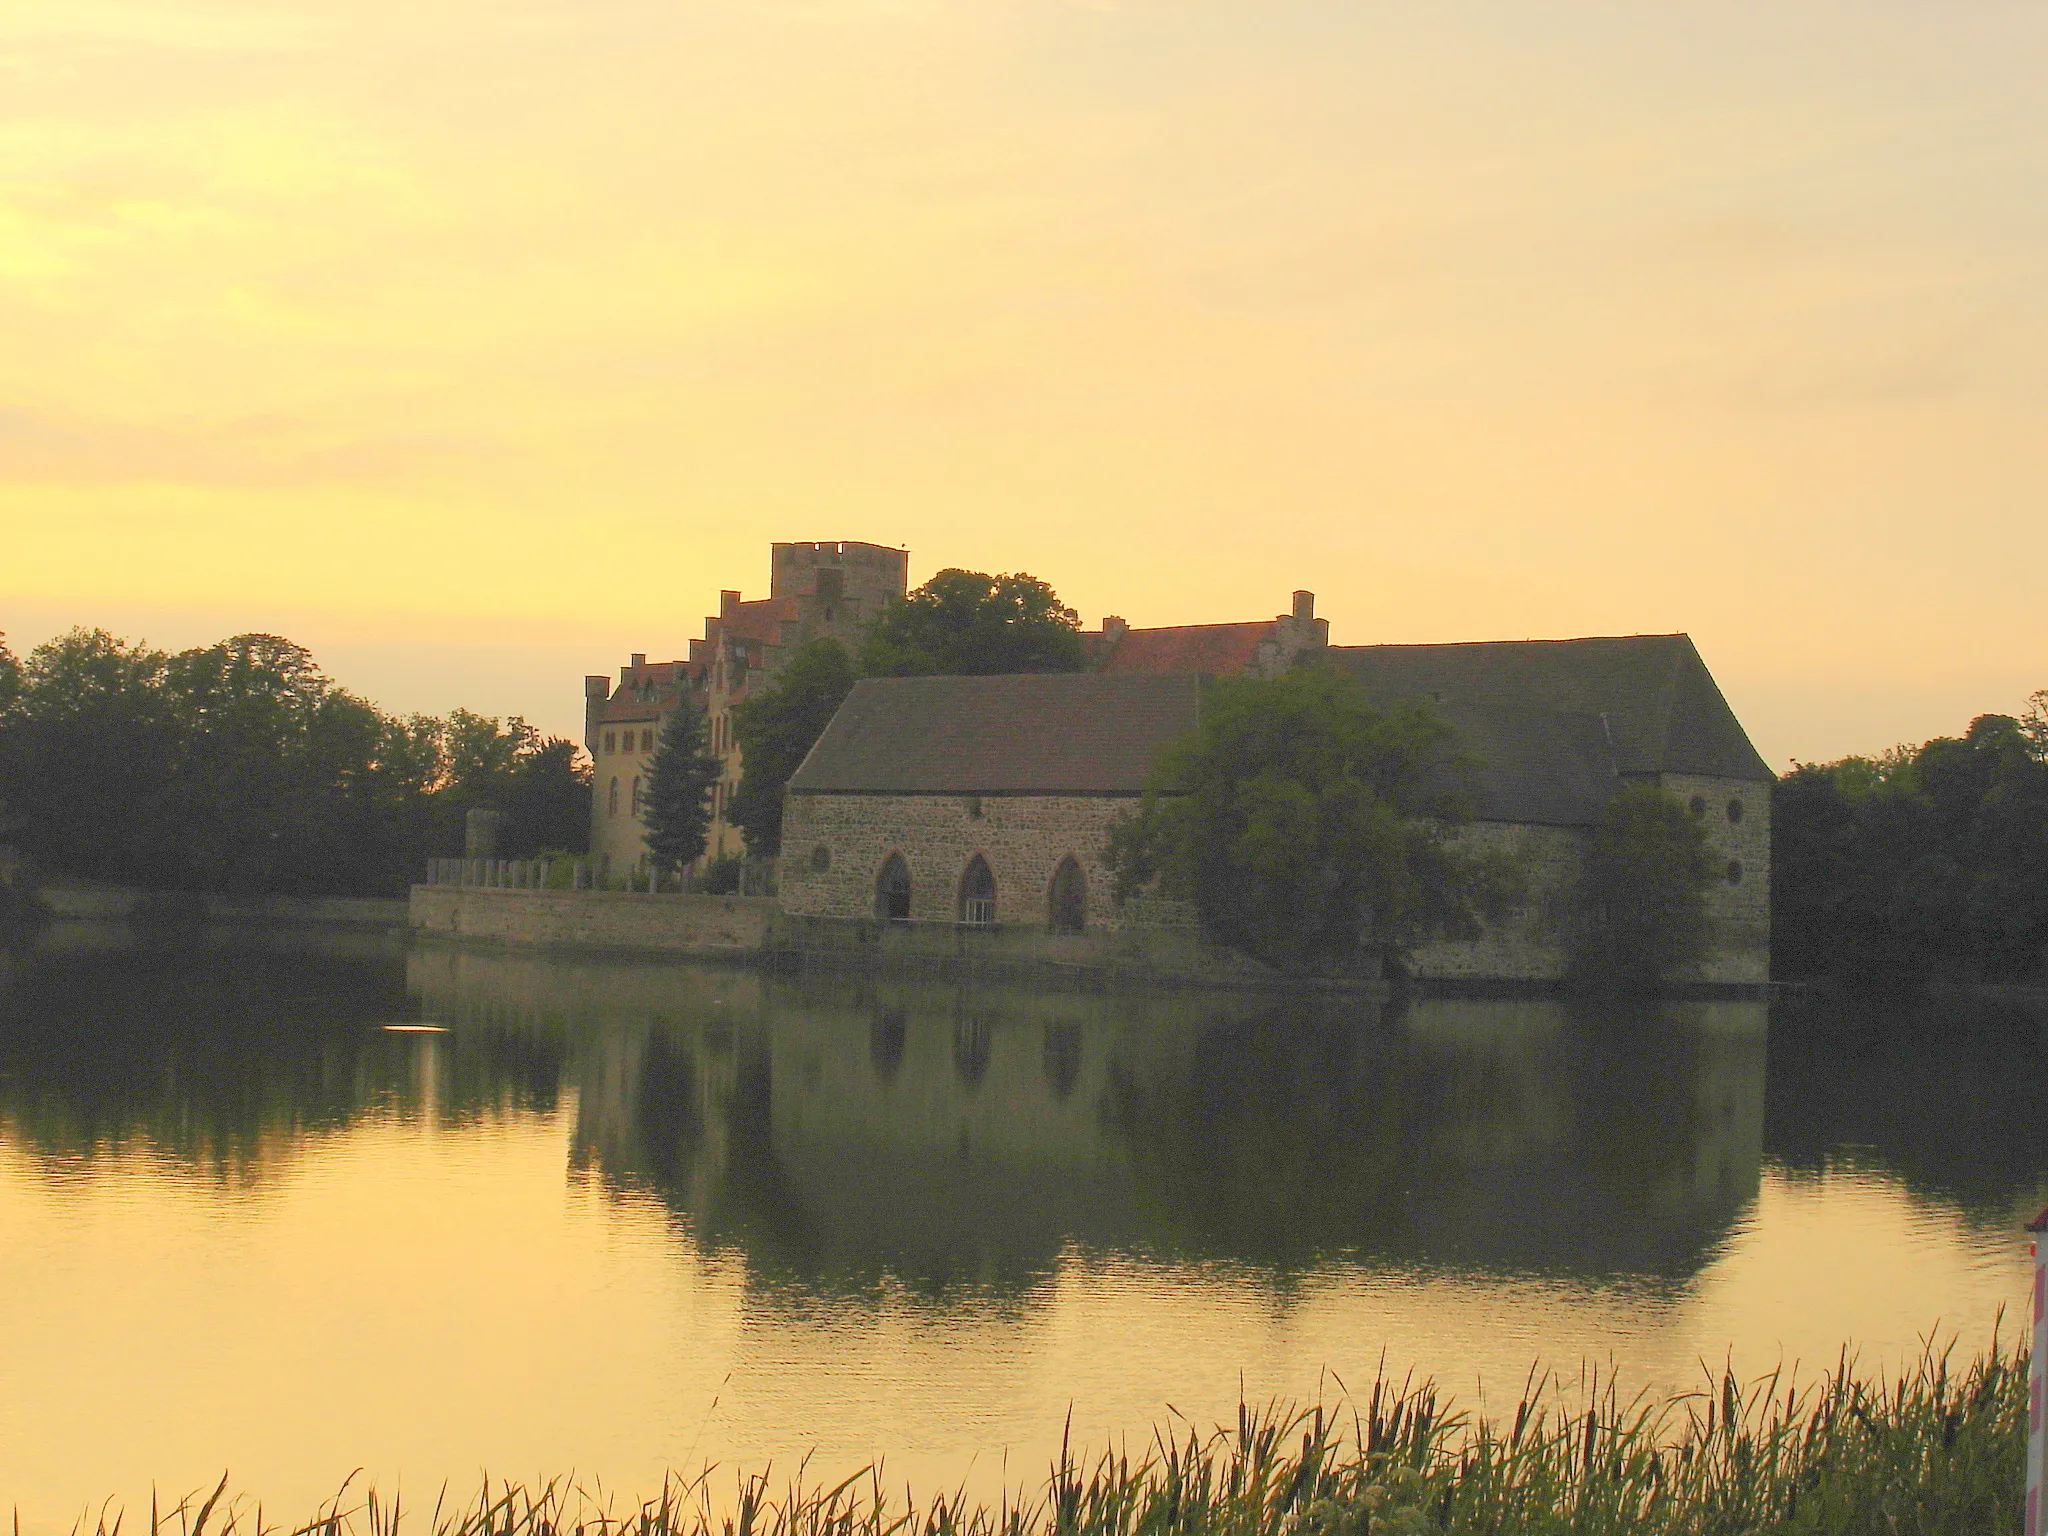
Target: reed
x,y
1931,1451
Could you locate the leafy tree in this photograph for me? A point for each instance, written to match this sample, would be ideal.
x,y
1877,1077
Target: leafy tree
x,y
1644,890
776,729
547,803
88,757
677,807
10,679
971,624
1311,827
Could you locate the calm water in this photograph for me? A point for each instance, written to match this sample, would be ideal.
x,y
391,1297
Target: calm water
x,y
621,1218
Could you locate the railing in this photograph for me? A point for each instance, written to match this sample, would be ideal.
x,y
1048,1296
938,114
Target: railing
x,y
514,874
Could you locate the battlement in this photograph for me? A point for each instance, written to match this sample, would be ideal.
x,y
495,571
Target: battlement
x,y
868,573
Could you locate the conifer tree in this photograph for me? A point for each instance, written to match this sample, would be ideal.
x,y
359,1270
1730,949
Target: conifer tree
x,y
677,807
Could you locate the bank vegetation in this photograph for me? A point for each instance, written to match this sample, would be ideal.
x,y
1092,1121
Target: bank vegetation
x,y
1933,1451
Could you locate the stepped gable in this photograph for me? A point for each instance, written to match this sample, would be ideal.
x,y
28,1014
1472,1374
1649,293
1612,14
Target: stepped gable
x,y
1555,722
1072,733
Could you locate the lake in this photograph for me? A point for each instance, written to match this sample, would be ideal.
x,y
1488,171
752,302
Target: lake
x,y
617,1218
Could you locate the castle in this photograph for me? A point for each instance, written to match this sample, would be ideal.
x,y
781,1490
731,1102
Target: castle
x,y
986,801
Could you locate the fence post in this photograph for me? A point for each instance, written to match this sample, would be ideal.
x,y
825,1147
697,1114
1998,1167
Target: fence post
x,y
2037,1375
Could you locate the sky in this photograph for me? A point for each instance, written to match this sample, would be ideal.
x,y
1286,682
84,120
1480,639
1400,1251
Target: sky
x,y
476,345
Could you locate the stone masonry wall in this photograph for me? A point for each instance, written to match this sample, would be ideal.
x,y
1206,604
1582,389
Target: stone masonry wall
x,y
1023,838
1736,814
595,919
1532,943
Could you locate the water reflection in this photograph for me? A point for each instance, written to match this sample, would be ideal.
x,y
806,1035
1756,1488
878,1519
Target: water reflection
x,y
873,1216
840,1129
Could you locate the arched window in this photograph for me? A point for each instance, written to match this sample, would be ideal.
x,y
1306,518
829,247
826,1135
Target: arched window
x,y
892,890
978,894
636,794
612,799
1067,901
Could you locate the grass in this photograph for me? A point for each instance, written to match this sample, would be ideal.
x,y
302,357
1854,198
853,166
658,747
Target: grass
x,y
1932,1451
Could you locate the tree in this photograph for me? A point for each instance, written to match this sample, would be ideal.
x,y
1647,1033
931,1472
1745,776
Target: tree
x,y
971,624
677,808
1644,890
10,680
547,802
88,755
1310,827
777,728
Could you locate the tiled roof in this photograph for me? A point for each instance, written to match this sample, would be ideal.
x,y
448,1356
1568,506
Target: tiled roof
x,y
760,619
1220,650
1081,733
1553,721
625,704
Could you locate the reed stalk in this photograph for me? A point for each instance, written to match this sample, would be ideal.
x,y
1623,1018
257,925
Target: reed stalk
x,y
1932,1451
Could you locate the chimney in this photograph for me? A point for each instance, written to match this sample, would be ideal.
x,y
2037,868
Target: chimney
x,y
1113,629
728,604
1304,606
639,660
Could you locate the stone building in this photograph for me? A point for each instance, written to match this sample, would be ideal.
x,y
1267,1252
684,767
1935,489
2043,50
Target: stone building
x,y
977,800
815,591
985,801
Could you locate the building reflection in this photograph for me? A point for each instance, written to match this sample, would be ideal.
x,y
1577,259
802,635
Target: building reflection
x,y
839,1129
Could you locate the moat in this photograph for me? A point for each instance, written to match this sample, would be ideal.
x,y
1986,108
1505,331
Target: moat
x,y
615,1218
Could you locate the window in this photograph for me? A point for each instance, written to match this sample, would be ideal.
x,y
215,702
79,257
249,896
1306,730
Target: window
x,y
636,794
1067,902
1735,871
1697,805
608,740
892,890
1735,810
612,800
821,859
974,807
978,894
647,741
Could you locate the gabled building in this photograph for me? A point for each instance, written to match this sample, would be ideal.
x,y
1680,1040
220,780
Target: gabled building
x,y
988,800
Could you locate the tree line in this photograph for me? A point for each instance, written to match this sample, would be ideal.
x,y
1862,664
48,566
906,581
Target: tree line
x,y
242,768
1922,862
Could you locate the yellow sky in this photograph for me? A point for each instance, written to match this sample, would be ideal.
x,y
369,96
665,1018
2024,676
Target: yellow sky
x,y
476,344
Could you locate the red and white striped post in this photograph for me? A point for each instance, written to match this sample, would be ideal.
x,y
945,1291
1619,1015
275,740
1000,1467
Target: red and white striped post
x,y
2037,1375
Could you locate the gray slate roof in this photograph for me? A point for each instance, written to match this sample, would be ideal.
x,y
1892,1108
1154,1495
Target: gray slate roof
x,y
1553,722
1081,733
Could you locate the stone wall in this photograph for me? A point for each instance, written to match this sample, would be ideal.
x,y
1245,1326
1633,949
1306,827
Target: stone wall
x,y
1736,815
834,847
689,925
117,903
1531,943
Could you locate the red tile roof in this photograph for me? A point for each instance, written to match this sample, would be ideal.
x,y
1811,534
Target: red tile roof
x,y
759,620
1221,650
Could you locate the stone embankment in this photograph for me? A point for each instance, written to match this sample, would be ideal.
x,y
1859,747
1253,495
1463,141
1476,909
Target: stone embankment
x,y
121,904
597,920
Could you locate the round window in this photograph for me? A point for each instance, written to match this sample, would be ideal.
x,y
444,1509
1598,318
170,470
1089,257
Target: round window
x,y
1735,810
1735,871
1698,805
821,858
